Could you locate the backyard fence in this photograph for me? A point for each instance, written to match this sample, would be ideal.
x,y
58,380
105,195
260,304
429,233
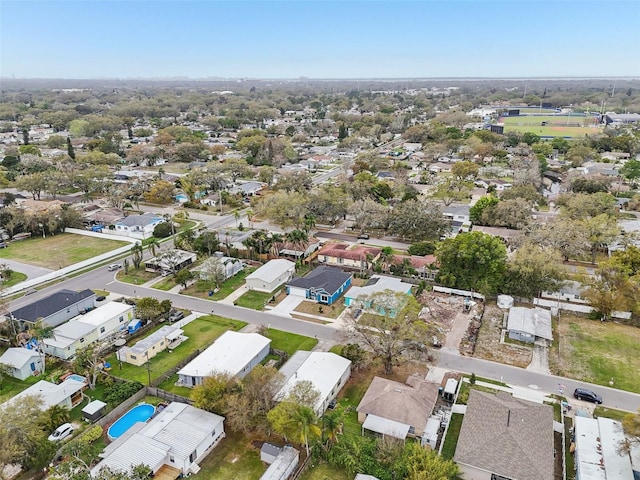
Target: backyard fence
x,y
169,396
169,373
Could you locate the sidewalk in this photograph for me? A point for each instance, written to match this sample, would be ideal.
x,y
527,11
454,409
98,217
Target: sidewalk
x,y
233,296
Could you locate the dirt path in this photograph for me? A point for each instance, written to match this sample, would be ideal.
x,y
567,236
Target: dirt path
x,y
458,329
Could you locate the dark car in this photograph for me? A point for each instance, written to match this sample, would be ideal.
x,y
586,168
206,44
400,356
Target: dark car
x,y
100,298
588,395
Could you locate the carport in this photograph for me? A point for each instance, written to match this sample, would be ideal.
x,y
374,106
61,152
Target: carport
x,y
386,427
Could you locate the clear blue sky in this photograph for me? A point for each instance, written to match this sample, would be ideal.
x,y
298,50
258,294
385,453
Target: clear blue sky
x,y
319,39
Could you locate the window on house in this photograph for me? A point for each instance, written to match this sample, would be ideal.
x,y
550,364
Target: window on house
x,y
133,357
172,459
412,431
82,340
121,319
341,260
102,329
192,457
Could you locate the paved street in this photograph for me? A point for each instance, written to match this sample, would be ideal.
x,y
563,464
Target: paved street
x,y
445,358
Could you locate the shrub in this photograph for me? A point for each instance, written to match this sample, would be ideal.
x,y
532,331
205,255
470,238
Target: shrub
x,y
120,391
422,248
162,230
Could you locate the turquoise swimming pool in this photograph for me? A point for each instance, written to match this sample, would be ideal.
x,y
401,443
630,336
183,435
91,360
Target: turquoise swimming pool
x,y
139,413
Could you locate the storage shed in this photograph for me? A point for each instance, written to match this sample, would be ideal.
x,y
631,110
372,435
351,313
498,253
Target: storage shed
x,y
449,393
94,411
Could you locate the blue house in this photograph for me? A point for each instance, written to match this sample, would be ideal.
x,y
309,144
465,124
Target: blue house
x,y
323,284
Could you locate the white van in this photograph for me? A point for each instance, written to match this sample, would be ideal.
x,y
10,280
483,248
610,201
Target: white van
x,y
114,266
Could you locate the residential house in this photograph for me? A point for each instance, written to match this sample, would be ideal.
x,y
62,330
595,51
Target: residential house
x,y
271,275
147,348
440,167
67,394
376,284
505,437
323,284
412,146
170,261
529,324
349,255
137,226
327,372
233,353
424,266
69,338
108,318
247,189
598,454
398,410
571,291
229,265
501,185
22,362
507,235
173,442
54,309
302,250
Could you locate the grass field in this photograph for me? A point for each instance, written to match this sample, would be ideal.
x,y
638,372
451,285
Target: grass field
x,y
58,251
201,287
234,458
14,278
253,299
453,432
289,342
556,126
597,352
201,333
135,277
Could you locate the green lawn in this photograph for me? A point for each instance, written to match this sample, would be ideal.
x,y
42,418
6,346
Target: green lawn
x,y
170,386
58,251
234,458
201,333
453,432
597,352
253,299
289,342
322,471
165,284
136,277
201,288
14,278
612,413
10,387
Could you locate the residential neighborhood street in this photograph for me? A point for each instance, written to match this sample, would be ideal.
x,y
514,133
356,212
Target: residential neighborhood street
x,y
448,359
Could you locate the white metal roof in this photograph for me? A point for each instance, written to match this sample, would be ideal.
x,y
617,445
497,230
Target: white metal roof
x,y
51,393
534,321
67,333
271,270
144,344
451,386
104,313
323,369
178,429
617,466
18,356
94,407
589,457
383,283
386,426
230,353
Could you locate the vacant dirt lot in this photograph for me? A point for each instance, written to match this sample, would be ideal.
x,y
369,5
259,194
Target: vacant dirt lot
x,y
488,344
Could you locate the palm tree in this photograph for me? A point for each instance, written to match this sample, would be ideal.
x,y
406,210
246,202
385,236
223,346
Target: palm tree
x,y
275,244
299,240
153,246
236,215
55,416
40,331
305,422
332,425
309,222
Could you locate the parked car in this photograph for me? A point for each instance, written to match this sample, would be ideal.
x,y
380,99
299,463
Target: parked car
x,y
100,298
3,244
175,316
588,395
114,266
363,236
62,432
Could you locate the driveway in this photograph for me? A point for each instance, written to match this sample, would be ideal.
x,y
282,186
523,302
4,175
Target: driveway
x,y
31,271
286,306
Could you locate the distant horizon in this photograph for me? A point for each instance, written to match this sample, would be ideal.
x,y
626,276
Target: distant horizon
x,y
319,39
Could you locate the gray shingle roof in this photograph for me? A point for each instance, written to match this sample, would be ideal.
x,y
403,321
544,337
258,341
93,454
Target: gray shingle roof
x,y
507,436
49,305
323,277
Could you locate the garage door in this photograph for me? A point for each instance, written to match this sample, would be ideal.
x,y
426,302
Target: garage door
x,y
298,292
